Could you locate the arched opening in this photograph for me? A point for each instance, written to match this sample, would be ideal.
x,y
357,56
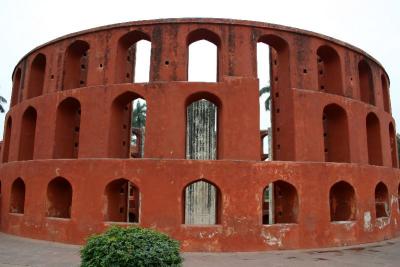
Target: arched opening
x,y
201,203
265,144
59,198
133,58
15,87
7,140
203,53
201,129
76,65
67,129
329,70
342,202
122,201
385,94
27,137
382,206
374,140
17,199
36,76
336,134
127,126
273,74
367,92
280,203
398,197
393,149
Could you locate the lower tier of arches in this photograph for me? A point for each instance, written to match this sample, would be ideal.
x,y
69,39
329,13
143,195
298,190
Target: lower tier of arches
x,y
315,204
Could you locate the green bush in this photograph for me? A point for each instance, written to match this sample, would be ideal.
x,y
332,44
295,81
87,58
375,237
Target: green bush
x,y
132,246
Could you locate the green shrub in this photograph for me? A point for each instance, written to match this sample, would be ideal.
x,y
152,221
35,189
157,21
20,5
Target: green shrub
x,y
132,246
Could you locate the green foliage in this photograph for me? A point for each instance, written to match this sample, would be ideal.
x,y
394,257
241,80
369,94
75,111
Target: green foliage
x,y
139,115
132,246
2,100
266,90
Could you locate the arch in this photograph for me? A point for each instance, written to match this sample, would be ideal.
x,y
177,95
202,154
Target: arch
x,y
336,134
398,197
342,202
76,65
382,206
27,137
121,142
127,54
367,92
17,198
329,70
280,203
59,198
16,87
393,145
202,117
279,73
385,94
36,76
7,139
68,120
374,140
122,201
201,203
208,44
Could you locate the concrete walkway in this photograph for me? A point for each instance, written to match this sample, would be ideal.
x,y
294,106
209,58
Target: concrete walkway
x,y
17,251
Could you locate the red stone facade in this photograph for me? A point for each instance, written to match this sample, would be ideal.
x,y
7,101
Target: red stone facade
x,y
335,163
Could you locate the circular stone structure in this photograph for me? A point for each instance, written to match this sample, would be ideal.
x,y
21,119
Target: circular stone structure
x,y
68,169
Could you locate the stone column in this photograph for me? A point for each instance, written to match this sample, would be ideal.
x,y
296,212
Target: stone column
x,y
201,144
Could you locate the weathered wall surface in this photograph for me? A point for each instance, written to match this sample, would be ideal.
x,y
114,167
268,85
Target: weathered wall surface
x,y
314,78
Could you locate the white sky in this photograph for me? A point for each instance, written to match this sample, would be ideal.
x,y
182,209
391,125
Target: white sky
x,y
371,25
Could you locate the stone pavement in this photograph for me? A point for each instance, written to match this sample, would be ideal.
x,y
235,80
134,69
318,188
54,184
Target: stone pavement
x,y
17,251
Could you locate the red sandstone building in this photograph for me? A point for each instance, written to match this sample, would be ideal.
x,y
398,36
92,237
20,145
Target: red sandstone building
x,y
67,169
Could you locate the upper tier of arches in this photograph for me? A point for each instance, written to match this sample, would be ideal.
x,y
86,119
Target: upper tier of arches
x,y
105,56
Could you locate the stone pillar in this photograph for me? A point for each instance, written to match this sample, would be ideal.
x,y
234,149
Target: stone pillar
x,y
201,144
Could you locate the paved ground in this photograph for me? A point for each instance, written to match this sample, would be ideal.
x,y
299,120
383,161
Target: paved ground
x,y
16,251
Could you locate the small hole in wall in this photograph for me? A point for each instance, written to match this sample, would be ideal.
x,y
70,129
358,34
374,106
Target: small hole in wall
x,y
319,60
278,110
101,65
81,82
278,129
124,126
321,72
278,146
166,62
83,66
76,144
276,79
127,75
276,94
275,62
325,134
76,129
322,87
52,77
85,54
79,111
128,58
351,78
326,150
305,71
123,143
